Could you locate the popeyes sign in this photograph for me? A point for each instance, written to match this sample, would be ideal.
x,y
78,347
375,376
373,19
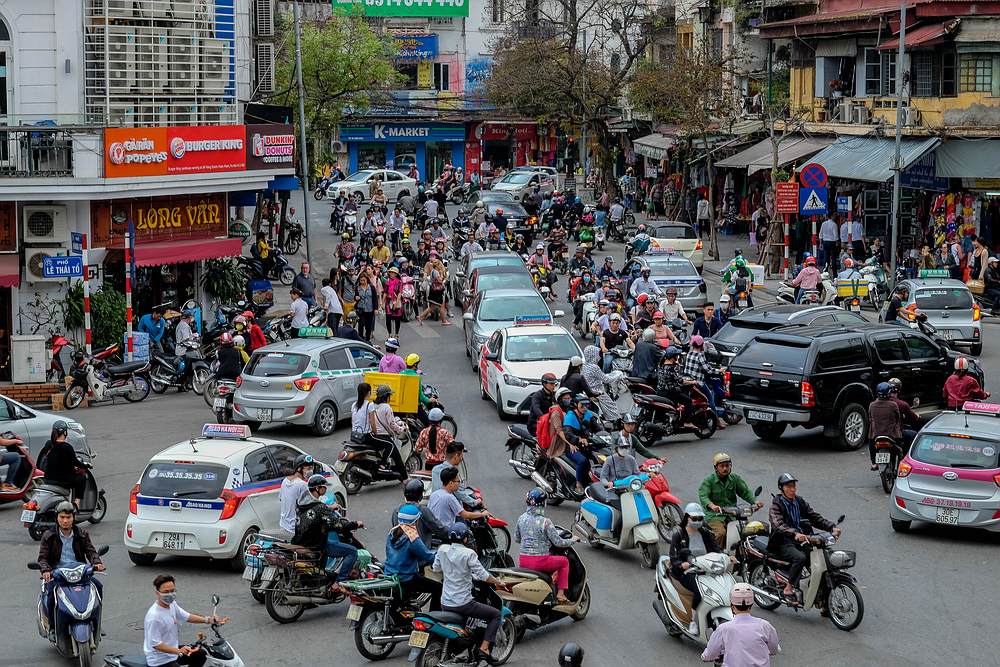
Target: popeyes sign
x,y
161,151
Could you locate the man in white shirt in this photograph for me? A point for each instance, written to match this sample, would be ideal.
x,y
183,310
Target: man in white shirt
x,y
299,312
183,333
828,236
431,208
292,488
334,309
161,641
703,216
857,239
616,212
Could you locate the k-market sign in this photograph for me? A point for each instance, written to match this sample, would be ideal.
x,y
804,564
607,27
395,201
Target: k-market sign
x,y
403,132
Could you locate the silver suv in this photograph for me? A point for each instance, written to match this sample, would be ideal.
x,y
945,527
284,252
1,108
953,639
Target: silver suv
x,y
308,381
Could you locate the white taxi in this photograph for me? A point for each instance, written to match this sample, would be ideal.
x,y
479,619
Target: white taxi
x,y
679,238
513,360
209,496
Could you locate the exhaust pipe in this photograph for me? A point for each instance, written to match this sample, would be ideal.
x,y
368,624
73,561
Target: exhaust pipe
x,y
307,599
363,473
770,596
542,483
519,466
389,639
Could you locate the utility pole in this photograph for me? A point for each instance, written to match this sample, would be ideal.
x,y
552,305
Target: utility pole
x,y
583,140
897,167
303,146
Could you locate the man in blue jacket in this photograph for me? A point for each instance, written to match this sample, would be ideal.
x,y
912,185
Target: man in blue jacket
x,y
153,324
406,555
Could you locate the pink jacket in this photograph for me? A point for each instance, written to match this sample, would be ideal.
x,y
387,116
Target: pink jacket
x,y
808,278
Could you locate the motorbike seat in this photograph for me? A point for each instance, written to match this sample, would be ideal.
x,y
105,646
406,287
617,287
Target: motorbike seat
x,y
656,398
133,661
522,431
544,576
447,617
760,543
127,368
54,487
304,552
632,379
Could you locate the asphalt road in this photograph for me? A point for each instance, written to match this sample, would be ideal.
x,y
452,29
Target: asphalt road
x,y
929,596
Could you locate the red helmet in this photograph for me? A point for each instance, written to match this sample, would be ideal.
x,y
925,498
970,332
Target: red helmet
x,y
848,263
961,364
810,261
642,298
226,338
247,314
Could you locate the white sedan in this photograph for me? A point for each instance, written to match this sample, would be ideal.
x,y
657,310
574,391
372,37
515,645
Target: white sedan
x,y
358,185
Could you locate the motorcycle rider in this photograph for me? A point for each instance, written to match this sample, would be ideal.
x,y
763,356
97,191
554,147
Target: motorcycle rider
x,y
470,247
391,362
574,380
384,429
886,419
646,357
691,539
161,637
809,278
598,382
578,424
786,514
380,251
723,488
616,335
542,400
745,640
738,268
670,383
345,249
607,269
13,460
230,360
434,439
581,286
640,242
619,465
183,332
446,502
626,437
671,308
66,545
899,295
427,524
643,284
643,312
580,261
910,418
725,308
850,271
293,488
59,461
961,387
321,527
407,554
537,535
663,333
696,368
254,332
424,402
347,329
991,279
397,219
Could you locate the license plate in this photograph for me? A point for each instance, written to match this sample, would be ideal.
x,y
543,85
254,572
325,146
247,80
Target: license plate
x,y
339,467
354,614
248,572
219,404
27,516
418,639
881,457
263,414
760,416
947,334
947,515
270,574
174,541
743,303
855,308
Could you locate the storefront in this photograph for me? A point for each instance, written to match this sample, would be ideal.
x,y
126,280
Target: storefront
x,y
398,145
510,144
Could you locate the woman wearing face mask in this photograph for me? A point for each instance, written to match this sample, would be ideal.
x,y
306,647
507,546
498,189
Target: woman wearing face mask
x,y
691,539
537,534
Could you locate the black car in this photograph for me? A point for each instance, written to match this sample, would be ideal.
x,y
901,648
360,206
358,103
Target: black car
x,y
518,219
826,376
740,329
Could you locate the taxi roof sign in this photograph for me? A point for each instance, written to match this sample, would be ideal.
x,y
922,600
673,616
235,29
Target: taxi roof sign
x,y
979,408
935,273
527,320
315,332
657,249
226,431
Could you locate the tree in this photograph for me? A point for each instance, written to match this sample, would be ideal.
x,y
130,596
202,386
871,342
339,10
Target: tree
x,y
345,66
570,61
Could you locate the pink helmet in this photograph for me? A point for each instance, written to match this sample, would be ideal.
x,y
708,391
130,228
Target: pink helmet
x,y
741,595
697,341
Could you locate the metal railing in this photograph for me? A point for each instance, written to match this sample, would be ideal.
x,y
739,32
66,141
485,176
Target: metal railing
x,y
35,152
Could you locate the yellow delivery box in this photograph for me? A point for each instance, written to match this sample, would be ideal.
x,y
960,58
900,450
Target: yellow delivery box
x,y
852,287
405,390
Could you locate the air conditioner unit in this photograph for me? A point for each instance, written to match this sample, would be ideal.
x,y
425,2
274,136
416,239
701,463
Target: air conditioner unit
x,y
264,15
121,58
265,68
33,263
338,147
911,116
152,57
844,112
860,115
182,72
214,66
121,115
153,9
45,224
120,8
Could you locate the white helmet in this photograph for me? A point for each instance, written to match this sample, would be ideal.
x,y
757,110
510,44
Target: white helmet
x,y
239,341
694,509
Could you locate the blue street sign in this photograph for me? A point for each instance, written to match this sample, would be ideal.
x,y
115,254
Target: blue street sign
x,y
843,204
62,267
76,242
813,201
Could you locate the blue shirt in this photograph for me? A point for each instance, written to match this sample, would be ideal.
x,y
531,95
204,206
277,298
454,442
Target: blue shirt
x,y
571,420
67,558
154,329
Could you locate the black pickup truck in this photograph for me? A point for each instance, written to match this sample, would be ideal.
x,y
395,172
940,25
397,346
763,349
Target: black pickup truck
x,y
826,376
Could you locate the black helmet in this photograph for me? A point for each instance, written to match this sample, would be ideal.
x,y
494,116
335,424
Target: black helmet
x,y
570,655
303,460
59,427
902,289
316,481
413,490
352,317
458,533
785,478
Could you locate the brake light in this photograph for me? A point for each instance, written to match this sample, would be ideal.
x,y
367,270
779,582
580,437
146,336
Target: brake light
x,y
239,381
422,626
808,395
133,500
223,536
231,505
900,502
30,505
725,382
977,312
698,245
306,384
128,529
905,469
996,479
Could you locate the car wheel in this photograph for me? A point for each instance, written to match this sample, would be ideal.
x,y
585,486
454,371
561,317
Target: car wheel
x,y
254,426
767,431
900,526
100,510
142,560
325,420
853,428
237,562
359,197
976,350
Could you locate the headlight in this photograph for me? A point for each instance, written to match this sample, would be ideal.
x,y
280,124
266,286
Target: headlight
x,y
711,596
635,485
842,558
74,426
477,340
514,381
74,574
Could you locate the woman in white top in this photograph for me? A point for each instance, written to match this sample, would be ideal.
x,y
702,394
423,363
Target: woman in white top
x,y
383,429
360,423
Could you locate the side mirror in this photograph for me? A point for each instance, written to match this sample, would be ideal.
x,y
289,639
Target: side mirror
x,y
757,491
215,600
558,313
467,317
841,518
491,356
34,566
103,550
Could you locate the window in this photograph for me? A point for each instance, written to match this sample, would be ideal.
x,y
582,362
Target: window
x,y
441,76
822,320
920,348
409,72
335,360
494,345
890,349
880,72
284,458
841,354
497,11
364,358
976,74
259,467
949,74
7,411
393,176
276,364
686,41
925,74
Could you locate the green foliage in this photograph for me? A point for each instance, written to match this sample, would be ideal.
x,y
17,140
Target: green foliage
x,y
224,279
107,314
74,307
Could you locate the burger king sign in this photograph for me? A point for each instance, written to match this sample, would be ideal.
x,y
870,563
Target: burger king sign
x,y
161,151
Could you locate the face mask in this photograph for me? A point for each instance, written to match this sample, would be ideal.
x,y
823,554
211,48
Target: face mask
x,y
565,404
695,524
586,279
168,598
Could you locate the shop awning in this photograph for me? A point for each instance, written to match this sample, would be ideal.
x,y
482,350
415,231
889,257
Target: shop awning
x,y
870,158
10,270
175,252
654,146
758,156
974,158
924,36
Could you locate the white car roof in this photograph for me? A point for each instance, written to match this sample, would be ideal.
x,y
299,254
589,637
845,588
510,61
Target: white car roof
x,y
213,450
535,329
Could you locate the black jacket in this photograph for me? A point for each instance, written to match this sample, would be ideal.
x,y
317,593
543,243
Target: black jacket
x,y
680,546
348,332
50,548
782,530
230,363
645,359
541,401
574,382
61,463
315,521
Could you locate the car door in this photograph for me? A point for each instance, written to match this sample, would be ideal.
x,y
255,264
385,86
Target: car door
x,y
488,369
392,184
262,482
337,369
930,368
892,360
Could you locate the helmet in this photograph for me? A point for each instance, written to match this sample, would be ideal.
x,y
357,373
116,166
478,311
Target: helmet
x,y
721,457
741,595
60,427
383,391
239,322
629,418
239,341
883,390
609,260
412,359
539,246
672,290
740,262
694,509
755,528
896,384
562,391
807,254
549,377
671,352
581,399
479,204
352,317
392,343
226,338
848,263
648,335
658,315
615,317
64,507
248,314
409,514
535,498
346,236
961,364
302,460
316,481
811,261
458,533
570,655
785,478
697,341
435,415
413,490
642,299
724,298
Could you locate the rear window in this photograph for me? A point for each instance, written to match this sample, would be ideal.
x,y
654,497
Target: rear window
x,y
502,260
674,232
954,451
164,479
740,332
770,354
276,364
667,267
503,281
942,298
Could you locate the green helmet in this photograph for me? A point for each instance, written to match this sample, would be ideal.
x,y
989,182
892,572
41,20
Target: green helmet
x,y
740,262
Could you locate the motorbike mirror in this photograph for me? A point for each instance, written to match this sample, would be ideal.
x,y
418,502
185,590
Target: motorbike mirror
x,y
558,313
757,491
215,600
841,518
103,550
34,566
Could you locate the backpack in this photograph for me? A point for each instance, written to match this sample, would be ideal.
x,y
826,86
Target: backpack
x,y
542,431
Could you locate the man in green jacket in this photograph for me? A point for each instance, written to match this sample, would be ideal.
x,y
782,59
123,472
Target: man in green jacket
x,y
722,489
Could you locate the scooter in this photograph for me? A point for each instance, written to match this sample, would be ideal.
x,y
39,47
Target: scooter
x,y
279,270
219,652
359,464
188,371
557,476
38,514
379,616
350,223
597,521
222,404
824,295
523,449
76,611
825,583
877,282
130,381
668,506
672,603
739,292
293,237
28,475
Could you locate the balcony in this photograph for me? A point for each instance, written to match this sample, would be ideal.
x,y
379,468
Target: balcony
x,y
35,152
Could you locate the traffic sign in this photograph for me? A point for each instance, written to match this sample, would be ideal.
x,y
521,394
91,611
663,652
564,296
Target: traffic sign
x,y
813,175
786,198
62,267
813,201
844,204
76,242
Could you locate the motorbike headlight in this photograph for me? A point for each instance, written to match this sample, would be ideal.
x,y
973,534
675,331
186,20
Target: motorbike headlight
x,y
635,485
74,426
712,596
514,381
842,559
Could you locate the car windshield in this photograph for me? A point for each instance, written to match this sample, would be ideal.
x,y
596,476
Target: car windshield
x,y
500,260
506,308
944,298
674,232
541,347
781,356
669,267
360,175
503,281
173,479
276,364
955,451
738,332
517,177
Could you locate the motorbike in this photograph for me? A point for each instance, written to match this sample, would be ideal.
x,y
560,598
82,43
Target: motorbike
x,y
825,583
878,286
680,330
76,611
279,269
616,230
38,514
738,527
293,237
824,295
672,604
447,638
659,418
888,454
360,464
599,238
28,475
379,616
218,651
668,506
222,403
350,223
597,521
621,359
409,294
131,381
716,380
458,192
523,450
557,476
187,371
739,291
56,369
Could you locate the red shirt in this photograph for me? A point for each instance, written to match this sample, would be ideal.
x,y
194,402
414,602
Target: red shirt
x,y
961,388
257,338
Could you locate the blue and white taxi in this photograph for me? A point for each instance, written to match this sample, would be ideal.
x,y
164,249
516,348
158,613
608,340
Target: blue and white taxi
x,y
209,496
667,270
513,360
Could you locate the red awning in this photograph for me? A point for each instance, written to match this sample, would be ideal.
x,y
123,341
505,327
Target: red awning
x,y
175,252
925,35
10,270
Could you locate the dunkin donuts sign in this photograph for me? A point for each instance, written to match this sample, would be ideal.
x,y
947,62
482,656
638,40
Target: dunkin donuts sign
x,y
270,146
161,151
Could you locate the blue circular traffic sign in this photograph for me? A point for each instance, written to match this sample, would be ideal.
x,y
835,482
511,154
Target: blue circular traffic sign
x,y
813,175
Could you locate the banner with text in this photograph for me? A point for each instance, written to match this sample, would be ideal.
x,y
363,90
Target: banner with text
x,y
402,7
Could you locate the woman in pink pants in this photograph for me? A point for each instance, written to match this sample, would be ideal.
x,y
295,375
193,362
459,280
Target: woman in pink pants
x,y
536,533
